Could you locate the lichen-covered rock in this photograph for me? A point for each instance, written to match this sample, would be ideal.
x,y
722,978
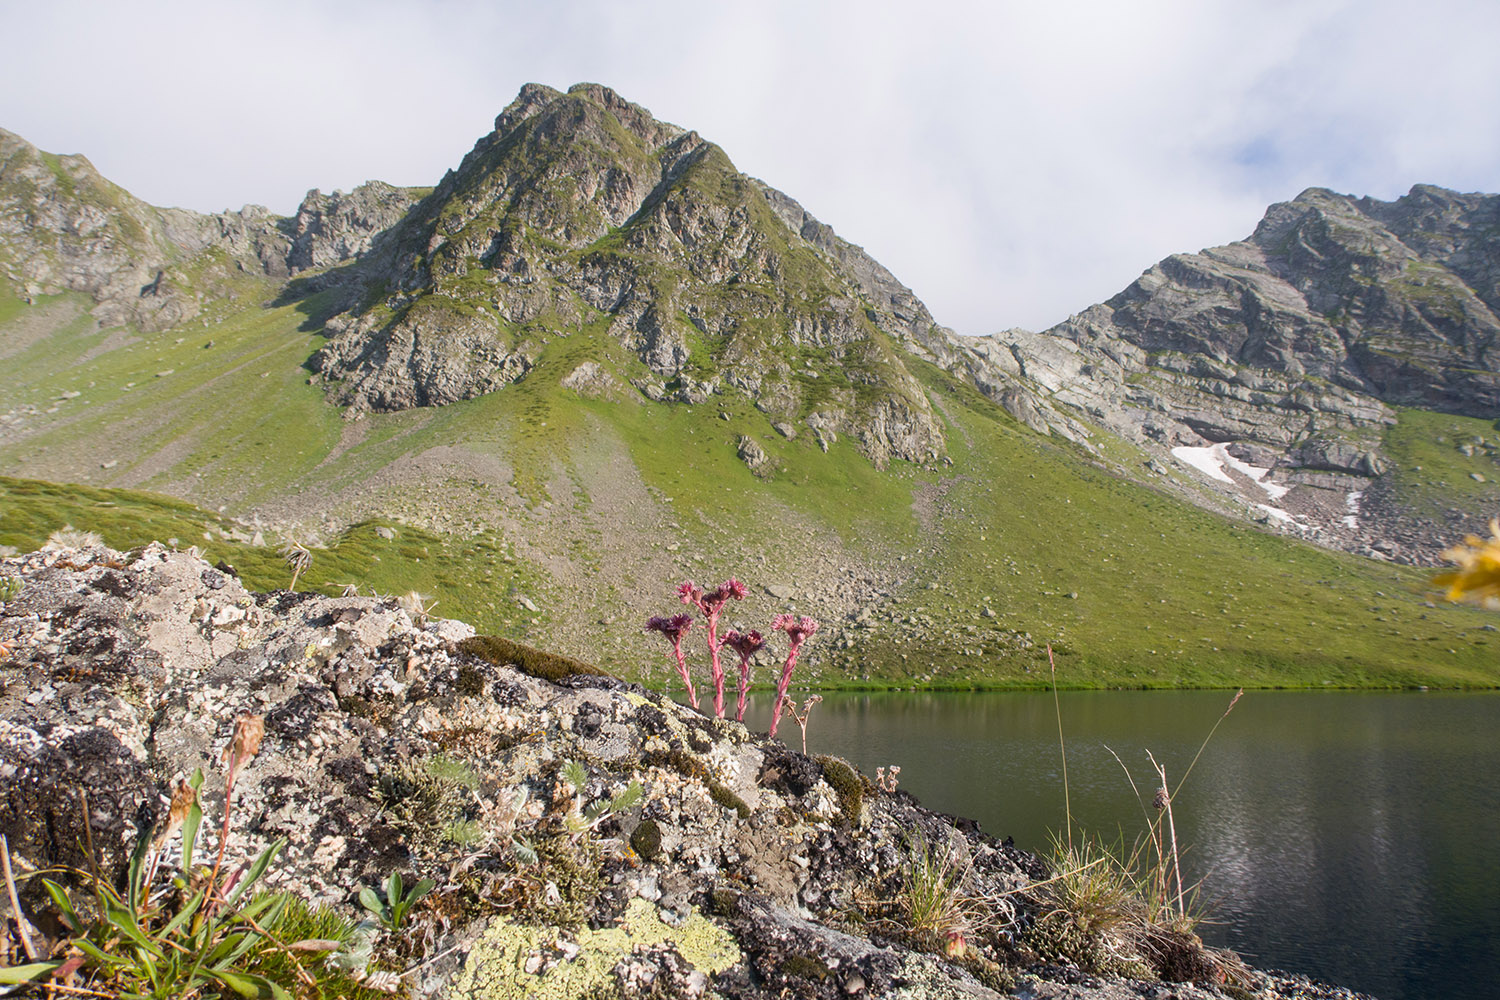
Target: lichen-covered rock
x,y
586,837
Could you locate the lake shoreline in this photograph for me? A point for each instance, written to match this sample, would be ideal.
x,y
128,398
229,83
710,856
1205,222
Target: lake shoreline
x,y
653,845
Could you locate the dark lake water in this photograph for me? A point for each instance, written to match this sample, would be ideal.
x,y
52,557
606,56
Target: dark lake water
x,y
1349,836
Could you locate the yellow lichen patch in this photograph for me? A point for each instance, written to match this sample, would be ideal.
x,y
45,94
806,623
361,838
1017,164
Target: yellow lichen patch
x,y
496,968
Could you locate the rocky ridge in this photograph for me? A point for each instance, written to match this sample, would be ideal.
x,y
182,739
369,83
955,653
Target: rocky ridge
x,y
733,874
582,229
64,227
1292,347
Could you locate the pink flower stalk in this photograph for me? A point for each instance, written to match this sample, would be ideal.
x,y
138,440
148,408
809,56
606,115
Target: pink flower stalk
x,y
711,604
747,645
674,628
797,630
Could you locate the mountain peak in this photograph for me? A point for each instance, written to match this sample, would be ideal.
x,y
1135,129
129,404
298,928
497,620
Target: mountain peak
x,y
531,99
583,214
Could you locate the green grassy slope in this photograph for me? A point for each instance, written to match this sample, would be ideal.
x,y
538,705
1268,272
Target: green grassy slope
x,y
514,499
1444,461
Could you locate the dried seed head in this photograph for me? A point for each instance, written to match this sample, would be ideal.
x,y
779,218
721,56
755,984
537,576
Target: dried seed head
x,y
249,730
1161,800
183,797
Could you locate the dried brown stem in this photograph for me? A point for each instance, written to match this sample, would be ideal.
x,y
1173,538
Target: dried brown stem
x,y
1057,704
15,901
1171,828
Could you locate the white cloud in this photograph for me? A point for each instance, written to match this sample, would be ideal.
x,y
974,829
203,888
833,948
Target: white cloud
x,y
1013,162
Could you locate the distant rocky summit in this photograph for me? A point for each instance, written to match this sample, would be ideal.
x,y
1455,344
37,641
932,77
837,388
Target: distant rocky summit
x,y
63,227
1293,346
586,837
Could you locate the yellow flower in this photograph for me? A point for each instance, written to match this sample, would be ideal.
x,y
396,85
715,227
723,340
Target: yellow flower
x,y
1478,575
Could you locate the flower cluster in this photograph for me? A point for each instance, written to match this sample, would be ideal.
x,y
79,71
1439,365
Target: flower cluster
x,y
710,604
797,630
747,644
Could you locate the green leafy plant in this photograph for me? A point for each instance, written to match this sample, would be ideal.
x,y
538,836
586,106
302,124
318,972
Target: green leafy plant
x,y
433,802
392,910
196,935
586,820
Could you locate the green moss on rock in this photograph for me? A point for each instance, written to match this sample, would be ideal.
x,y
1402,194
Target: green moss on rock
x,y
646,839
805,967
679,760
723,796
533,662
848,785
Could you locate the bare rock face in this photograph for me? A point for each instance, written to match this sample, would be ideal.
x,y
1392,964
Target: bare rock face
x,y
393,744
63,227
329,229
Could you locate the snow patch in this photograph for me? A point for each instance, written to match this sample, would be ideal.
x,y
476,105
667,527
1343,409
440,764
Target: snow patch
x,y
1351,504
1276,490
1205,460
1277,513
1213,460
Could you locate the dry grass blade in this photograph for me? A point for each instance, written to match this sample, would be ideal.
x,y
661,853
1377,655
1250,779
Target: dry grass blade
x,y
15,901
1057,704
1202,746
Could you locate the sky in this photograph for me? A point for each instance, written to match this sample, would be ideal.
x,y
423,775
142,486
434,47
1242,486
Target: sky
x,y
1013,163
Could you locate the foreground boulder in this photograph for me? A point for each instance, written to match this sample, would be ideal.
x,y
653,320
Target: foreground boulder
x,y
585,837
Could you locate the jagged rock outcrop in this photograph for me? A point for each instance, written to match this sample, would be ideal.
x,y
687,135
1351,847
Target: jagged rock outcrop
x,y
64,227
330,229
394,744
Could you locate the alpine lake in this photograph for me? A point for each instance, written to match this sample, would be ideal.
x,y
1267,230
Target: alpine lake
x,y
1352,837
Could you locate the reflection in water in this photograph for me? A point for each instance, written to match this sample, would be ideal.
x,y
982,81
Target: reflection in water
x,y
1346,836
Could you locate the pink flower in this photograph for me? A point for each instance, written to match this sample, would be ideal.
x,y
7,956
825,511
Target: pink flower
x,y
747,645
797,630
674,628
711,605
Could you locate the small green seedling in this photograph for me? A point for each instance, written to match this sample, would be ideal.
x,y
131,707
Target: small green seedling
x,y
392,911
585,821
